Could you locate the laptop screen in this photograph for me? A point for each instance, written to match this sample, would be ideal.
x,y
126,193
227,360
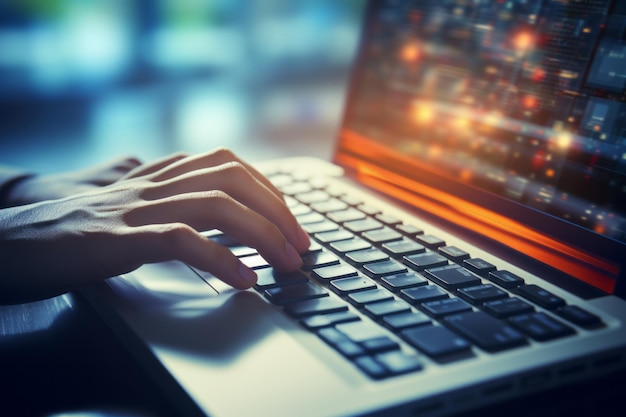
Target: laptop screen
x,y
516,107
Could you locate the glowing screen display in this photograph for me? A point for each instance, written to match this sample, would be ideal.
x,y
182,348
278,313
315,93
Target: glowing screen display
x,y
525,99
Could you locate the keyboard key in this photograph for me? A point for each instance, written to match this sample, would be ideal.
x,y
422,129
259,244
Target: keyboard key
x,y
577,315
383,235
381,269
310,218
255,262
482,293
319,227
388,219
541,297
421,261
371,367
318,259
419,295
360,226
508,307
351,200
453,253
366,256
380,344
360,331
385,308
369,210
270,278
479,266
359,299
316,306
436,341
403,247
347,215
294,293
326,273
295,188
329,205
326,320
430,241
486,331
447,306
398,362
340,342
241,251
452,277
314,196
401,281
345,246
505,279
349,285
409,230
541,327
333,236
405,320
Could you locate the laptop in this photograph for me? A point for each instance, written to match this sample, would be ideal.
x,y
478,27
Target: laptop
x,y
469,236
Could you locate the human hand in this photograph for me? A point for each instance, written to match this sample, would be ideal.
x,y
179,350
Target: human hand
x,y
153,213
37,188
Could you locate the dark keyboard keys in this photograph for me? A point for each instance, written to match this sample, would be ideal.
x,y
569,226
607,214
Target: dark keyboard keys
x,y
383,235
399,282
318,259
381,269
541,327
508,307
366,256
419,295
505,279
326,273
371,367
360,299
270,278
487,332
430,241
348,285
541,297
398,362
403,247
447,306
580,317
436,341
385,308
453,253
482,293
341,342
452,277
409,230
422,261
405,320
479,266
294,293
316,306
345,246
327,320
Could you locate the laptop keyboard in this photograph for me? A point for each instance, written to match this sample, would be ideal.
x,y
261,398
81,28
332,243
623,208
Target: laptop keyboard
x,y
385,294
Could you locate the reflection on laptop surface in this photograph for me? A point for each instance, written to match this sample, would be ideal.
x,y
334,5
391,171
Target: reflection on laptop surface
x,y
467,245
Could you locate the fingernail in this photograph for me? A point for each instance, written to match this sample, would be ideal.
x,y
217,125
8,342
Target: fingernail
x,y
292,255
247,275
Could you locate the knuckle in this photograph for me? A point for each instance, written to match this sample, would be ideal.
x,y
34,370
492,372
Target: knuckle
x,y
224,153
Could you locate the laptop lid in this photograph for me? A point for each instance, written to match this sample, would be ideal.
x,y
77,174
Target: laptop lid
x,y
506,118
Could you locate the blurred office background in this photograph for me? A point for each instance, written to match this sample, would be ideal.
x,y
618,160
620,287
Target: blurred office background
x,y
82,81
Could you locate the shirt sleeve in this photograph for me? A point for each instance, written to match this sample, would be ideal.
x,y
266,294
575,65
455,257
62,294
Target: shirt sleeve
x,y
8,177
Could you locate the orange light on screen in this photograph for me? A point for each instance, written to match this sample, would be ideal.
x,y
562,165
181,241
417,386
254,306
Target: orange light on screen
x,y
538,74
423,113
530,102
410,52
523,41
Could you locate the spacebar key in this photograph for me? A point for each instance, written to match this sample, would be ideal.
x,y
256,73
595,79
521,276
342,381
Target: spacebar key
x,y
486,331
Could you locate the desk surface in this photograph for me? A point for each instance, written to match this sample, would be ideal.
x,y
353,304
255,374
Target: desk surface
x,y
57,356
